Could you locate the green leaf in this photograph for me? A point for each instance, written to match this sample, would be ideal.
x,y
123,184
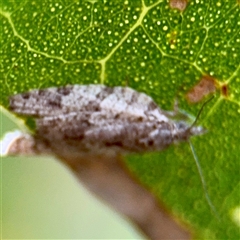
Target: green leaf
x,y
153,48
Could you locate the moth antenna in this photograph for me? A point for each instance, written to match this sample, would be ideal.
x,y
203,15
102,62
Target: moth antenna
x,y
203,181
200,111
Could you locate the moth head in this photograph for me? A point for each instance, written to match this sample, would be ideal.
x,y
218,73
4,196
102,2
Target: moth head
x,y
197,130
184,131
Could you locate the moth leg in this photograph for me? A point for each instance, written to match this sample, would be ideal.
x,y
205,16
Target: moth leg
x,y
19,143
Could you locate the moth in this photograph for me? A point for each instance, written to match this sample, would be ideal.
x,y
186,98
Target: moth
x,y
83,120
96,118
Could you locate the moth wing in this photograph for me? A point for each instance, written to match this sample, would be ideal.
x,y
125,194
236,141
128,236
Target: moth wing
x,y
128,135
55,101
122,101
63,126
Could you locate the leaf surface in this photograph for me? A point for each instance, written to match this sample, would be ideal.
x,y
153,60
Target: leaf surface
x,y
156,49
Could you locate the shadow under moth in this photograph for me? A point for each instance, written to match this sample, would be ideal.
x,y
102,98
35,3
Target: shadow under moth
x,y
95,120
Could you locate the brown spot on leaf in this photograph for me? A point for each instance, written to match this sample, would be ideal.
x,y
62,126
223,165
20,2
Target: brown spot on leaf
x,y
224,90
178,4
172,38
204,87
